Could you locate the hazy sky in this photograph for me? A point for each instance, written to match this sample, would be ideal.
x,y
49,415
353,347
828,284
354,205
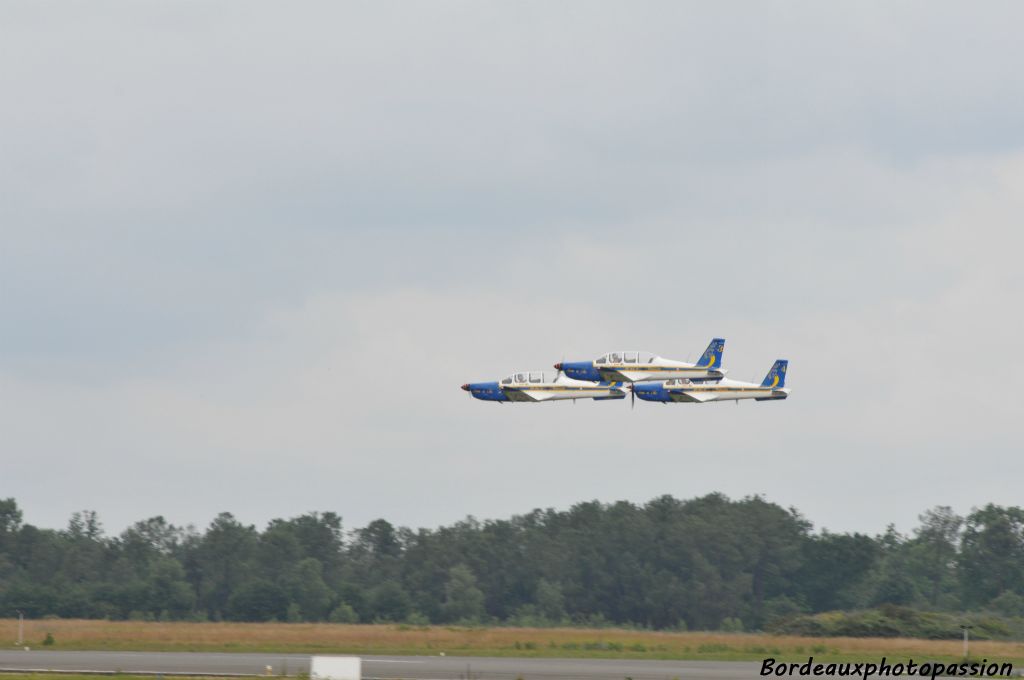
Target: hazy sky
x,y
249,251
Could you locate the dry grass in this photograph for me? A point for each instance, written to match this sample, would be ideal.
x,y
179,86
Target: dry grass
x,y
566,642
93,676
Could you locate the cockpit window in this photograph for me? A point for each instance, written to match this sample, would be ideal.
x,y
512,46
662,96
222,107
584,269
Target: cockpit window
x,y
536,377
507,381
520,377
616,358
602,360
631,357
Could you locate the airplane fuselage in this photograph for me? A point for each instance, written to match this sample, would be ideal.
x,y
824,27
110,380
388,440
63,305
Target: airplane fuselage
x,y
723,390
659,369
561,389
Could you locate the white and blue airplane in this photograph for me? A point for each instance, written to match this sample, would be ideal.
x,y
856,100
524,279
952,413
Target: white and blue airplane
x,y
682,390
643,366
535,386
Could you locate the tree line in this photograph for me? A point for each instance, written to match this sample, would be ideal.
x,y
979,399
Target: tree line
x,y
704,563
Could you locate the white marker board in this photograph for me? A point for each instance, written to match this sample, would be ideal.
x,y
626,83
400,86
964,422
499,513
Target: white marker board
x,y
336,668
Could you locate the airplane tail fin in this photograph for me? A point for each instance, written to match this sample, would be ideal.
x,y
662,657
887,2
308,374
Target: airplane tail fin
x,y
712,357
777,376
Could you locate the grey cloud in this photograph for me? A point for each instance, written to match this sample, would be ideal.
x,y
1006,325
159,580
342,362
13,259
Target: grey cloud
x,y
250,242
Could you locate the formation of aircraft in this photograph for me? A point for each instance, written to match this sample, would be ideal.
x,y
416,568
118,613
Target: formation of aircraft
x,y
639,374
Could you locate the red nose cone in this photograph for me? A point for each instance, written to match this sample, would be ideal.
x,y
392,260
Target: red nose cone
x,y
466,387
559,366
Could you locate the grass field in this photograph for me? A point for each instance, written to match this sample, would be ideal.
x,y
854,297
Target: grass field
x,y
72,634
90,676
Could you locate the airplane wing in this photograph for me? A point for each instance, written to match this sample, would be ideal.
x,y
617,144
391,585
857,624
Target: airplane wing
x,y
528,395
614,375
698,397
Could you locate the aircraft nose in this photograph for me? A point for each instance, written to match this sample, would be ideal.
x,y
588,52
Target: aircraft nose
x,y
466,387
558,366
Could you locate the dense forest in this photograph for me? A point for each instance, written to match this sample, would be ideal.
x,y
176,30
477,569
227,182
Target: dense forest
x,y
705,563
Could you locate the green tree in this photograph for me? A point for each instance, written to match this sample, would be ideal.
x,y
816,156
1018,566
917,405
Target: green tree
x,y
463,600
10,522
168,590
550,600
380,539
306,588
932,555
319,537
224,560
258,600
992,554
343,613
390,602
835,570
84,548
1008,603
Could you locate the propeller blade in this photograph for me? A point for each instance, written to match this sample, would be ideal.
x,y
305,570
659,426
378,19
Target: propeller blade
x,y
632,399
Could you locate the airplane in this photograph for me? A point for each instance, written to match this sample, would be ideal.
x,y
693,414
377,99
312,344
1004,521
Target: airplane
x,y
644,366
535,386
682,390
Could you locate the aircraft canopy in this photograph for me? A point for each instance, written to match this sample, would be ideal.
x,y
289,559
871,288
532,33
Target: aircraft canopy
x,y
525,378
626,357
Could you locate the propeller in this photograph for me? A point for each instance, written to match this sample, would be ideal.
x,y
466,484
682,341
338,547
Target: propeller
x,y
632,396
558,366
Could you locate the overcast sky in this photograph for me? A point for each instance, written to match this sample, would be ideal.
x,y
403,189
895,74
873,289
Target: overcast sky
x,y
249,251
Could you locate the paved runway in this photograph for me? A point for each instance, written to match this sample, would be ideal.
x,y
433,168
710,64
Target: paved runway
x,y
389,667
